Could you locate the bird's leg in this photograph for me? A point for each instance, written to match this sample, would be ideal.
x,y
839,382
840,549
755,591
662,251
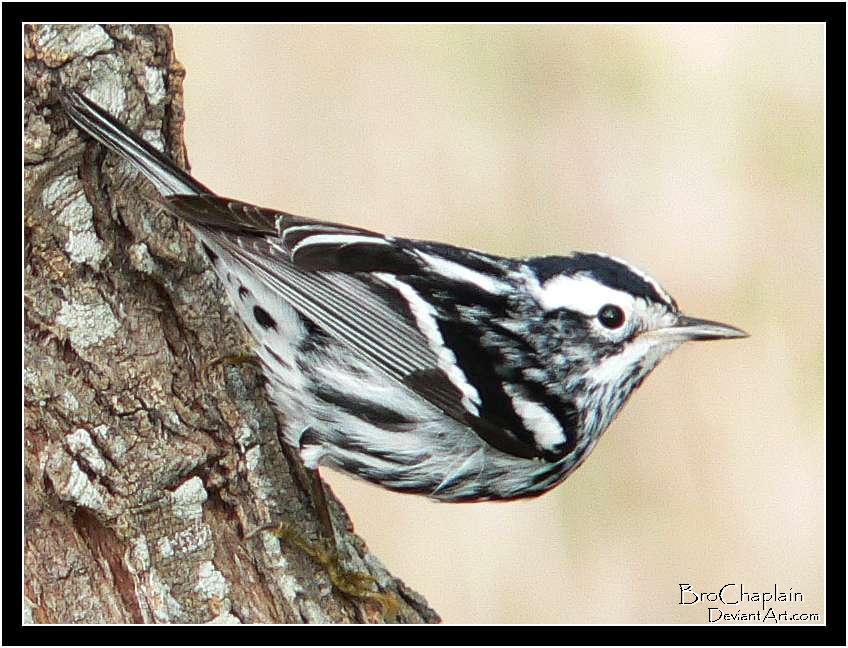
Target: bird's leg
x,y
322,507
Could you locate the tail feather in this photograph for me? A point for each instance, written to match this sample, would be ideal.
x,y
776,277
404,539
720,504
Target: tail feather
x,y
168,179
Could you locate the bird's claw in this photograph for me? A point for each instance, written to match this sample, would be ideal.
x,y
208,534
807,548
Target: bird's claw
x,y
357,585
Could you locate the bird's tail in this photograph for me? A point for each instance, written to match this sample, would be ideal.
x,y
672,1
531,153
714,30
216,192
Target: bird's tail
x,y
167,177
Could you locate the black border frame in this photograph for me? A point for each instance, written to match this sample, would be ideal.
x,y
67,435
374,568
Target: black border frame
x,y
833,14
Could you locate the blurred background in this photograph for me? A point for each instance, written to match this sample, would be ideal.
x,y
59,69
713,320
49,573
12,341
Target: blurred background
x,y
693,151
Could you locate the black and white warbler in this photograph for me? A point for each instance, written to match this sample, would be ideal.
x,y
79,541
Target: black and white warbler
x,y
420,366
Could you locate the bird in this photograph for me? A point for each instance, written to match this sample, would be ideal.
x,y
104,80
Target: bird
x,y
420,366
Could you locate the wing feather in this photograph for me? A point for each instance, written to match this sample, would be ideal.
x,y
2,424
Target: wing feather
x,y
367,291
343,305
214,212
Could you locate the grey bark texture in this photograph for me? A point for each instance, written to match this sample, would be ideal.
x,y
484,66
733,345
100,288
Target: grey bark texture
x,y
144,467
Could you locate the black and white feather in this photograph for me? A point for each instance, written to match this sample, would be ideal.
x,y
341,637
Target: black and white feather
x,y
416,365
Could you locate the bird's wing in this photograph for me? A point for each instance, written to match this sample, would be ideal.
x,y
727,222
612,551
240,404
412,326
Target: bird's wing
x,y
390,301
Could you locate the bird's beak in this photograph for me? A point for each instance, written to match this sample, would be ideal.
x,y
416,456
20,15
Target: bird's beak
x,y
691,328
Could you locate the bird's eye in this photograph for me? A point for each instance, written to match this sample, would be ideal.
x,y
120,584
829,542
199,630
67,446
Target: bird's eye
x,y
611,316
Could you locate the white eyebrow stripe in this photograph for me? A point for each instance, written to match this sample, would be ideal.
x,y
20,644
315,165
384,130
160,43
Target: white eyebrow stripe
x,y
579,293
459,272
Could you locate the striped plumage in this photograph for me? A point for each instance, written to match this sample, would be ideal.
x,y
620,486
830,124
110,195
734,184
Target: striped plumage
x,y
416,365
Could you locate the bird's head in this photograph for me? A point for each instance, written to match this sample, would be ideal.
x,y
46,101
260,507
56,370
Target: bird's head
x,y
615,324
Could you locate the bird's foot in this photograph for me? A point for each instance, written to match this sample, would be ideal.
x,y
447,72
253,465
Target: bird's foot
x,y
356,585
231,360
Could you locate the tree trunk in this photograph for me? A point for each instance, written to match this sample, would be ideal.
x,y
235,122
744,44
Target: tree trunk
x,y
145,467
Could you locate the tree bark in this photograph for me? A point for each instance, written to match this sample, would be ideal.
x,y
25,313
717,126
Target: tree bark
x,y
145,468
